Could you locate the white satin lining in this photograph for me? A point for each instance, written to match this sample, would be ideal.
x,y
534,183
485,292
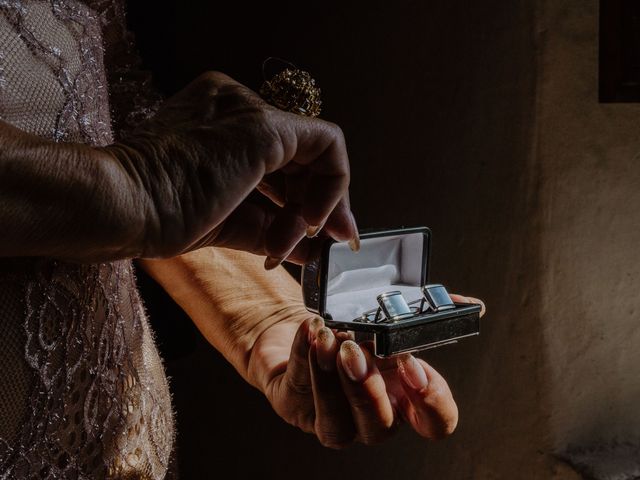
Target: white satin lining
x,y
383,264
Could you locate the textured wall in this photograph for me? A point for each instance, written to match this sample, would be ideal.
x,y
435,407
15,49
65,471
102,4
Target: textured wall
x,y
590,167
479,119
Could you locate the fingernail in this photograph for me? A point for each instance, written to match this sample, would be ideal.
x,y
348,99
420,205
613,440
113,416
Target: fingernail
x,y
353,361
412,372
271,262
314,326
354,243
325,347
312,231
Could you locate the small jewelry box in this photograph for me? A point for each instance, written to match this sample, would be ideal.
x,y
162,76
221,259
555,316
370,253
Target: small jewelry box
x,y
381,293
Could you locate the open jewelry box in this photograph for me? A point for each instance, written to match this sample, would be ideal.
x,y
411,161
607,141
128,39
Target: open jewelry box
x,y
381,293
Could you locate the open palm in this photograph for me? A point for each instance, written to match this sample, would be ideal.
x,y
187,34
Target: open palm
x,y
324,383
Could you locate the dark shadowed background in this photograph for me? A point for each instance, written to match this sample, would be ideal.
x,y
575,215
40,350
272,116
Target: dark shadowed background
x,y
481,121
435,100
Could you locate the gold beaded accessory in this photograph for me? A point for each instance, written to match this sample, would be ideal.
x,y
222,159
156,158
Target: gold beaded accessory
x,y
293,90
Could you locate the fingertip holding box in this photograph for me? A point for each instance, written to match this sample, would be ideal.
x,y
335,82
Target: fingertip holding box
x,y
381,293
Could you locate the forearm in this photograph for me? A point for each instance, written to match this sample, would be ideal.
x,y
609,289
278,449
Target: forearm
x,y
230,298
65,200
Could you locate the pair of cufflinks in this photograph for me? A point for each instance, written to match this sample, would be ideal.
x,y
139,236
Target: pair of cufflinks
x,y
394,307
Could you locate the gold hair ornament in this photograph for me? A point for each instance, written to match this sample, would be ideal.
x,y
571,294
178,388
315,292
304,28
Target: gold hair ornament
x,y
292,90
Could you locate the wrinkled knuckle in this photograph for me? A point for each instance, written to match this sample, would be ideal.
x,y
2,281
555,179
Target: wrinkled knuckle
x,y
441,433
305,421
335,131
299,388
335,436
449,426
444,429
339,142
334,441
338,136
270,144
296,415
346,178
373,438
214,78
269,126
361,404
437,397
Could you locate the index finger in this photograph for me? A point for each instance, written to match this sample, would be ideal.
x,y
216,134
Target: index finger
x,y
322,150
340,224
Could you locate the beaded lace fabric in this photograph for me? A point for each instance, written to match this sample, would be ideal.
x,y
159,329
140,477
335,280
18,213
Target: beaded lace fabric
x,y
83,394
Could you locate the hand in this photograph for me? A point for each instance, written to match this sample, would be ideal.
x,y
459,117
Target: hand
x,y
325,384
209,147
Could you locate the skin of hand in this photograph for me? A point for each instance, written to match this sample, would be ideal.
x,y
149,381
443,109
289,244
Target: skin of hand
x,y
181,181
316,379
211,145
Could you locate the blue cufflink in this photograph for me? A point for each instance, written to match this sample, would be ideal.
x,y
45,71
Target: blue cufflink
x,y
437,298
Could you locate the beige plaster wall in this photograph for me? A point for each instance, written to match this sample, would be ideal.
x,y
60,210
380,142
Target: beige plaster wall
x,y
589,155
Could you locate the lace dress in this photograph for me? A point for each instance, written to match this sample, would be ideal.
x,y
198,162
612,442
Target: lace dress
x,y
83,394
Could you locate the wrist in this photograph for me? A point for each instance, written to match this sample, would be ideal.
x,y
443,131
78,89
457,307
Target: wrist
x,y
231,298
121,205
64,200
275,333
